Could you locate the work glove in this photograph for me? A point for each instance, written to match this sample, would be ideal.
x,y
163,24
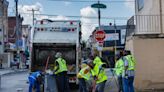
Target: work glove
x,y
49,72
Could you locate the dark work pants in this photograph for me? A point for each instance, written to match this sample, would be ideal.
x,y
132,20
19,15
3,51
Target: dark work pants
x,y
131,87
82,85
62,82
128,84
120,84
33,83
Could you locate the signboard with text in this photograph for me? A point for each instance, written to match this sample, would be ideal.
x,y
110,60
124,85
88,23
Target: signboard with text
x,y
98,5
111,37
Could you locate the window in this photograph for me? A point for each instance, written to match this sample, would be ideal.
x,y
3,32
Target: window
x,y
140,4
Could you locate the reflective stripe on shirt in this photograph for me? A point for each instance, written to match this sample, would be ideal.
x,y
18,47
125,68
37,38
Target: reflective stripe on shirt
x,y
131,73
33,77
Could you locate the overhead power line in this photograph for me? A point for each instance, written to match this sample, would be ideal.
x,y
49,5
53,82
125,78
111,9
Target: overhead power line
x,y
111,1
90,17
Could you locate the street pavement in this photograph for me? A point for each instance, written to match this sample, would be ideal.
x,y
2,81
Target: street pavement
x,y
5,71
111,84
13,80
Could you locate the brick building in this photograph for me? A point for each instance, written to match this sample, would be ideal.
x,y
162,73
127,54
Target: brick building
x,y
12,29
13,39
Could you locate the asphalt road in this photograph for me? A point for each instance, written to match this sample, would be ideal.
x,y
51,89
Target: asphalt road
x,y
14,82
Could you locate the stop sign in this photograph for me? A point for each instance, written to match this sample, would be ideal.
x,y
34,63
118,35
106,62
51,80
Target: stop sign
x,y
99,35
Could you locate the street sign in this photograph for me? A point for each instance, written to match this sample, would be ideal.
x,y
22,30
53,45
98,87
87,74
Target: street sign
x,y
100,35
98,5
112,37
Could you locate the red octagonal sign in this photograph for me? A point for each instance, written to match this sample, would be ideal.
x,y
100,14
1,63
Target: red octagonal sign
x,y
99,35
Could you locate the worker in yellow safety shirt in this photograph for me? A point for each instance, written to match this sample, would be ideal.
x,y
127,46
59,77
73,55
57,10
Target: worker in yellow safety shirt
x,y
129,72
60,71
99,74
84,76
119,67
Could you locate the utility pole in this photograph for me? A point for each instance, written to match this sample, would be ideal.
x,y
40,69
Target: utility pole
x,y
17,31
115,43
33,13
99,6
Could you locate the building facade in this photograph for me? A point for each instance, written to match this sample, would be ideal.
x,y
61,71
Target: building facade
x,y
26,31
3,24
149,16
3,31
146,42
15,41
26,37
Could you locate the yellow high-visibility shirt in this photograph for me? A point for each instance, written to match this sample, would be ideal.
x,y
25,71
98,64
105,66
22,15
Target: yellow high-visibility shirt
x,y
62,65
84,73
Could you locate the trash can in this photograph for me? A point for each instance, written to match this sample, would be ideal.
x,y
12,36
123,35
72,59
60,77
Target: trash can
x,y
50,84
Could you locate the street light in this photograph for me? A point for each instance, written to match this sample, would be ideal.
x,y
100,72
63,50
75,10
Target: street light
x,y
17,31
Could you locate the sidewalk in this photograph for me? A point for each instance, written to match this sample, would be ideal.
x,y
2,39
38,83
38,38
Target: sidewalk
x,y
11,71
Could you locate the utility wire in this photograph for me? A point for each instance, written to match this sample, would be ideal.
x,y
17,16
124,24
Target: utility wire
x,y
70,16
111,1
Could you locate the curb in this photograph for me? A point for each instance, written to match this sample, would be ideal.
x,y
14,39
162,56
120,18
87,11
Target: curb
x,y
14,72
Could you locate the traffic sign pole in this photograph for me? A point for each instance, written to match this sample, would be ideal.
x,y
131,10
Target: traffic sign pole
x,y
99,16
99,6
101,48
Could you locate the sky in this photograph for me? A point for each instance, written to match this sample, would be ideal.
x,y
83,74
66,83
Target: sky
x,y
60,10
